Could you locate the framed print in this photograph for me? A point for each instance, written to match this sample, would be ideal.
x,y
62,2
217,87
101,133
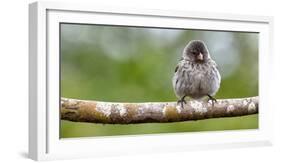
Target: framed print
x,y
110,81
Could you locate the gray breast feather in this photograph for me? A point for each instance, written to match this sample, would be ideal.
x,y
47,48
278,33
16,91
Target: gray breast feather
x,y
196,80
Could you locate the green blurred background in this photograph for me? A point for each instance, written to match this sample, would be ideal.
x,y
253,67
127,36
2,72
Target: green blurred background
x,y
131,64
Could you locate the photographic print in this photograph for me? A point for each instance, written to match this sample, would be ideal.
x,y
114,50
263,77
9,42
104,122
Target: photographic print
x,y
128,80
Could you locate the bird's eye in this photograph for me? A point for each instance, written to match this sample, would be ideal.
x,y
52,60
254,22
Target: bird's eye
x,y
193,52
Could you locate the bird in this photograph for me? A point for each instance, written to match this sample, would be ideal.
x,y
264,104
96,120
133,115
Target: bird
x,y
196,74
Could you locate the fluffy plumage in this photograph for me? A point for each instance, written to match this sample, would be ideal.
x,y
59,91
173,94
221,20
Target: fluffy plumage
x,y
196,74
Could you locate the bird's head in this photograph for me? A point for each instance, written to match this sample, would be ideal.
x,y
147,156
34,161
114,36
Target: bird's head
x,y
196,51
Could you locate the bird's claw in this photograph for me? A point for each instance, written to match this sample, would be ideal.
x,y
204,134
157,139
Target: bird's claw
x,y
181,101
212,99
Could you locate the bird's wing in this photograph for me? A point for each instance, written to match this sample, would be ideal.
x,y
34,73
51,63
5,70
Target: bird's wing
x,y
178,64
177,68
217,67
215,64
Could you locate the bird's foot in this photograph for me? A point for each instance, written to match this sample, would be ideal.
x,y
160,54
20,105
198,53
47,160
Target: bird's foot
x,y
212,99
182,102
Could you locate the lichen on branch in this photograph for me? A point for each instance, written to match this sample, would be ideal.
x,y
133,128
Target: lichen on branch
x,y
126,113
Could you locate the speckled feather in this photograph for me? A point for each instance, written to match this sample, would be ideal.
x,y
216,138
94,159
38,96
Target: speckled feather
x,y
195,79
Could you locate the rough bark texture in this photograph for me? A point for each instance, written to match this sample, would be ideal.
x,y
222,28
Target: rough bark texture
x,y
125,113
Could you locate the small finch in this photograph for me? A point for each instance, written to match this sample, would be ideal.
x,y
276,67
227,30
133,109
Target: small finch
x,y
196,74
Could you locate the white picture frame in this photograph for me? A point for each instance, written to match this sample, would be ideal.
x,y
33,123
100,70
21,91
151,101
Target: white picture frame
x,y
44,140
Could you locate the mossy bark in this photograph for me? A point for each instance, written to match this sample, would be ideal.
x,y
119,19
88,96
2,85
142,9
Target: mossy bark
x,y
125,113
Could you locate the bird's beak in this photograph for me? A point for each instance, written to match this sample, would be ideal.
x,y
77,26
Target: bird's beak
x,y
200,57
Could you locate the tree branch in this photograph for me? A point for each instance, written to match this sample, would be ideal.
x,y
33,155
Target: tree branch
x,y
125,113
